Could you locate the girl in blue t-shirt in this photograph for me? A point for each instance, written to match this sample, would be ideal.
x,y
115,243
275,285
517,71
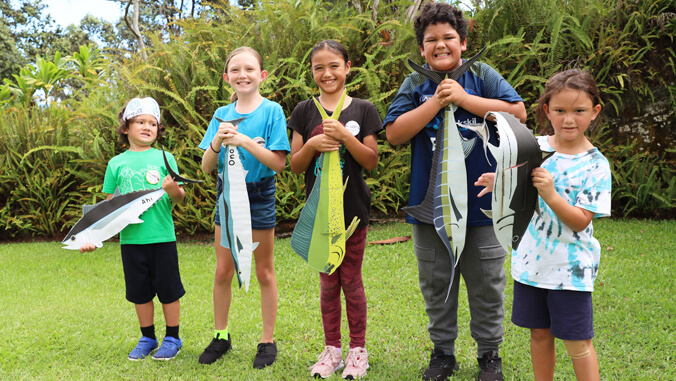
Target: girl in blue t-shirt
x,y
263,145
557,261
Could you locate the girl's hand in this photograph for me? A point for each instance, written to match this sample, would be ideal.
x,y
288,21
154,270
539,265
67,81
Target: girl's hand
x,y
486,180
544,182
87,248
226,131
449,91
323,143
336,130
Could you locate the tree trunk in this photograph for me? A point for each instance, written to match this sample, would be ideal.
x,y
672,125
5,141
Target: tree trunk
x,y
134,26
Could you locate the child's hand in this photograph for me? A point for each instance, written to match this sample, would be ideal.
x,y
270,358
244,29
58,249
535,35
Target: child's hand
x,y
336,130
323,143
225,132
449,91
174,191
87,248
486,180
543,182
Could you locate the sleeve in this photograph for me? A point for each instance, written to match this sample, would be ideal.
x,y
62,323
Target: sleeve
x,y
372,120
209,134
278,139
402,103
109,180
595,195
296,121
496,86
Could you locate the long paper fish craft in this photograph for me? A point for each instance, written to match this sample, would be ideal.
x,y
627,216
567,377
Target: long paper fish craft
x,y
514,198
107,218
236,213
445,203
319,236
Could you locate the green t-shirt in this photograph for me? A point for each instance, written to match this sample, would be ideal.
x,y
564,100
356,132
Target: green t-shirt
x,y
135,171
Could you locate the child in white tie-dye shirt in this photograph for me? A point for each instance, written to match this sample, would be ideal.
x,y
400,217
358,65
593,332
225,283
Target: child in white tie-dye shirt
x,y
557,261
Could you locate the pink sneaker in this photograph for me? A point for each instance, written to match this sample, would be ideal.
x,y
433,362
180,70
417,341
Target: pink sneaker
x,y
328,362
356,363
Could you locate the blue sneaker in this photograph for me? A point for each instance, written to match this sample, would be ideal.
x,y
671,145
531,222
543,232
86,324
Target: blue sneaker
x,y
143,348
169,349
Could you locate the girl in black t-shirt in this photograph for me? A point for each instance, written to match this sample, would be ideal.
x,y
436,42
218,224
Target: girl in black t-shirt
x,y
353,135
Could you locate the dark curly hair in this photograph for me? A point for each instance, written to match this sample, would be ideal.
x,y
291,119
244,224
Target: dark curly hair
x,y
123,138
435,13
573,79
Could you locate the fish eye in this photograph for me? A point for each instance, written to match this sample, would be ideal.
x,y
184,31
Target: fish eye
x,y
72,238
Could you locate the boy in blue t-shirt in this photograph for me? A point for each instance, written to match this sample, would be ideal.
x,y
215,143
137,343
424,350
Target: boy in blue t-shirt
x,y
414,116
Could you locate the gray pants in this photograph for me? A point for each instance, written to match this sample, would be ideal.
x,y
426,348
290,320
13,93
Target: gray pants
x,y
481,266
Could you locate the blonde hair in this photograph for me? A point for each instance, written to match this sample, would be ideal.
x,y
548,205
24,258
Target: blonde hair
x,y
240,50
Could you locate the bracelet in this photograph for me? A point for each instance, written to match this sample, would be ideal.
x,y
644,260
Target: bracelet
x,y
212,148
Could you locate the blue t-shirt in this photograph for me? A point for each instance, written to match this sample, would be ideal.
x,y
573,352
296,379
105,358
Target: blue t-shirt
x,y
481,80
266,125
551,255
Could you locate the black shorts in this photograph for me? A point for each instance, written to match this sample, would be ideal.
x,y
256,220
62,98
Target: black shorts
x,y
151,270
568,314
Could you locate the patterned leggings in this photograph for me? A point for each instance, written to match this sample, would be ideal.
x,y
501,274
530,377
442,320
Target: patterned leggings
x,y
348,278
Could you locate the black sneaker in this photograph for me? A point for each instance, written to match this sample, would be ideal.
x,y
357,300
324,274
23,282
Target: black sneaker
x,y
216,349
491,367
266,354
441,366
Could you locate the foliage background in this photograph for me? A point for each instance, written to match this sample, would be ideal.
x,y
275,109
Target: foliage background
x,y
59,112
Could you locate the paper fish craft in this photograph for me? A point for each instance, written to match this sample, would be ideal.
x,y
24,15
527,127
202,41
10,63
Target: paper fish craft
x,y
514,197
319,236
105,219
445,203
236,213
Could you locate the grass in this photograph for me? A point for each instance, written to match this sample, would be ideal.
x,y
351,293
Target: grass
x,y
63,314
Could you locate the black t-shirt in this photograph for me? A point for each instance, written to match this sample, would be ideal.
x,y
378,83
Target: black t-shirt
x,y
361,118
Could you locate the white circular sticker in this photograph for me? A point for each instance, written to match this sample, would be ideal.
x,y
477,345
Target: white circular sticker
x,y
353,127
260,141
153,176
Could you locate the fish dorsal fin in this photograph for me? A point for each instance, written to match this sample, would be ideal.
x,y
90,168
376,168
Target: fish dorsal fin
x,y
488,213
353,226
254,246
175,176
345,186
117,192
88,208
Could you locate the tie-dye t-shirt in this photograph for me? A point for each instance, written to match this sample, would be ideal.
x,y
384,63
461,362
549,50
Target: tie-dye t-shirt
x,y
551,255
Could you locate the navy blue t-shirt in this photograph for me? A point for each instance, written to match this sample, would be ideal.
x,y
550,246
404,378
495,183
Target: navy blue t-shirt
x,y
481,80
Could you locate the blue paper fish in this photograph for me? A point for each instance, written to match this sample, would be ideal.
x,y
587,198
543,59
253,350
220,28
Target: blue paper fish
x,y
235,213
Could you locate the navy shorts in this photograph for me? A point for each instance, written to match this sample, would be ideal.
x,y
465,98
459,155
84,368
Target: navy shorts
x,y
261,203
150,270
568,314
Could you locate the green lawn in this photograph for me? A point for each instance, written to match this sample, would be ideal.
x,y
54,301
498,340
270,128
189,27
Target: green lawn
x,y
63,314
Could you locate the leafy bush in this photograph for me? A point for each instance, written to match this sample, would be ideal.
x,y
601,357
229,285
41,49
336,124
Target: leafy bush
x,y
54,148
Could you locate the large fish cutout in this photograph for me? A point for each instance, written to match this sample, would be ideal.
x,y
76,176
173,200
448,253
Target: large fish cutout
x,y
105,219
319,236
514,198
445,203
236,213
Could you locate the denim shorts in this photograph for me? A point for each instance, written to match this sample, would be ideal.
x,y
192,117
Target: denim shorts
x,y
568,314
261,203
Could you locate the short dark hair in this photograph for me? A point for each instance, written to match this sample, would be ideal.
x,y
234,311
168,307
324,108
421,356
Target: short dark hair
x,y
435,13
123,138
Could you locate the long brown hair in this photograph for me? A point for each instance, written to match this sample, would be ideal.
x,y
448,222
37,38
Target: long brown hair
x,y
240,50
574,79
